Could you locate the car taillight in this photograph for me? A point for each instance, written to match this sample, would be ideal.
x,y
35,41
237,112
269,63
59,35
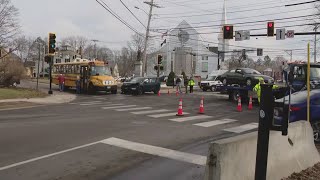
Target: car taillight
x,y
292,108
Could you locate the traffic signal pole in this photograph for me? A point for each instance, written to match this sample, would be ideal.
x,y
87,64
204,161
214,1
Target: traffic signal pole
x,y
50,75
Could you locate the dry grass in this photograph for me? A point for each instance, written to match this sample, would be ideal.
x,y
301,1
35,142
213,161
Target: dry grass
x,y
14,93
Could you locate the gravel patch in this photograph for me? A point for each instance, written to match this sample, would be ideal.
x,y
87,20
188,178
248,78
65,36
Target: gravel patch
x,y
312,173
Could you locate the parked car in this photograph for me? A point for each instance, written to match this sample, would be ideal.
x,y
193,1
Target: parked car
x,y
140,85
244,76
298,110
211,83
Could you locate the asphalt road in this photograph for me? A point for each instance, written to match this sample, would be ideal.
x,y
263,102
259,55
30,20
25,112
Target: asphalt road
x,y
117,137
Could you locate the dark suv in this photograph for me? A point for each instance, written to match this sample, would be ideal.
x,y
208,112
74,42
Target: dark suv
x,y
140,85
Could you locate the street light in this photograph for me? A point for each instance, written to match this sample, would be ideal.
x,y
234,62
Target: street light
x,y
141,10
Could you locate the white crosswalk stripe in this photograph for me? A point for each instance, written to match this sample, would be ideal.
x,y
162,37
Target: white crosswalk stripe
x,y
165,115
215,122
116,107
151,111
190,118
97,103
134,109
108,105
243,128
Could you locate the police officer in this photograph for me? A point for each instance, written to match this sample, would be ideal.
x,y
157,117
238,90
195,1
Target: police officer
x,y
257,88
191,83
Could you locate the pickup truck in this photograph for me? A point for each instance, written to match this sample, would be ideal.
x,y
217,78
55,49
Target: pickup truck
x,y
211,83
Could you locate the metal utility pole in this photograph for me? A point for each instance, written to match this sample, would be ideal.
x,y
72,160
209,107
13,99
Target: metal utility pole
x,y
144,67
315,43
95,48
38,66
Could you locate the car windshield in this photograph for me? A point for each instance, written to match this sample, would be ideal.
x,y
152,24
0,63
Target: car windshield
x,y
211,78
136,80
315,72
100,71
251,71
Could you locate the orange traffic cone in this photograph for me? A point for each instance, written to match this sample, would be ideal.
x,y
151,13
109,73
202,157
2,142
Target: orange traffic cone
x,y
239,107
159,93
201,109
177,93
180,111
250,103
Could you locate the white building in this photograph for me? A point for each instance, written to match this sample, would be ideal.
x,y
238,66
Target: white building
x,y
183,50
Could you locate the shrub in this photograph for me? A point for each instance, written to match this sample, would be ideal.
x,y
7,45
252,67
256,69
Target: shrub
x,y
11,71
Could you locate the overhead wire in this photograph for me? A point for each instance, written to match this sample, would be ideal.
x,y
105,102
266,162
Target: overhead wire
x,y
132,13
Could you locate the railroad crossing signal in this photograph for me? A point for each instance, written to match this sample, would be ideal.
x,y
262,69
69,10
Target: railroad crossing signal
x,y
281,34
52,43
259,52
270,27
227,32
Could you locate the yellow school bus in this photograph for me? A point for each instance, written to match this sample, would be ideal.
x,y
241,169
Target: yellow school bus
x,y
93,75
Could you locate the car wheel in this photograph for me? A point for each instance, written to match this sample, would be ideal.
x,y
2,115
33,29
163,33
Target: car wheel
x,y
140,91
316,132
213,89
204,89
224,81
91,89
235,96
248,82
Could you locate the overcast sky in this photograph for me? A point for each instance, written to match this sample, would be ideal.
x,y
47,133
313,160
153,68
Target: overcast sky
x,y
87,18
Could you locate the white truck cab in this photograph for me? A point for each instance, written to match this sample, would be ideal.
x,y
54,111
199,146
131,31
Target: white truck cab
x,y
212,83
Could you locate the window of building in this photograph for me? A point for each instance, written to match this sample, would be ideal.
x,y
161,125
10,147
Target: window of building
x,y
205,58
58,60
204,67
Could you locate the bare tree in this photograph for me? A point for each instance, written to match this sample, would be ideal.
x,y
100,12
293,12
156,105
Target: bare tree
x,y
9,26
76,42
137,44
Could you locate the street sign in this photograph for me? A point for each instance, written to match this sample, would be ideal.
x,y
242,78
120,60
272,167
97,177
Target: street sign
x,y
238,36
290,34
242,35
246,35
281,34
259,52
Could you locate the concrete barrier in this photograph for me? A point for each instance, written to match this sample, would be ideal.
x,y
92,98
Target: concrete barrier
x,y
234,158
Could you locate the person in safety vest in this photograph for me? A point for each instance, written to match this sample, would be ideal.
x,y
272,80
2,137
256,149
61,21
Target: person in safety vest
x,y
191,83
257,88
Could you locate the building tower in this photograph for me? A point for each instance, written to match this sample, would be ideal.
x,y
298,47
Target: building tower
x,y
223,43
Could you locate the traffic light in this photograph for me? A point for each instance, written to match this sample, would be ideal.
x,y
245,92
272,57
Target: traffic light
x,y
259,52
244,56
270,27
52,43
159,59
227,32
47,59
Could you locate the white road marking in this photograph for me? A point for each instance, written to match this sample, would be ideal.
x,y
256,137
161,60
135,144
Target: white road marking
x,y
97,103
165,115
215,123
151,112
243,128
134,109
109,105
190,118
158,151
46,156
116,107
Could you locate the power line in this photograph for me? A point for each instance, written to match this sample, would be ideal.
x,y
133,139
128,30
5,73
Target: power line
x,y
132,13
106,7
302,3
284,12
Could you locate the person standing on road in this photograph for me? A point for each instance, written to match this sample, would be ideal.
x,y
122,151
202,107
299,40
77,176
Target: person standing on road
x,y
191,83
78,85
178,84
61,80
257,88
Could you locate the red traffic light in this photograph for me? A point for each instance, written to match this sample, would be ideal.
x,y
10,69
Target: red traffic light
x,y
270,24
228,28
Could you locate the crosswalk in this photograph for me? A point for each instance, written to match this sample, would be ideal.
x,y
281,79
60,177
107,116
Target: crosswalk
x,y
207,121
